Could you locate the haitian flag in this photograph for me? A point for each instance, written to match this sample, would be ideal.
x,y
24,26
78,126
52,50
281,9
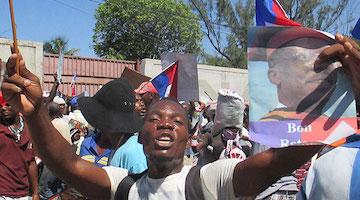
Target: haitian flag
x,y
166,82
270,13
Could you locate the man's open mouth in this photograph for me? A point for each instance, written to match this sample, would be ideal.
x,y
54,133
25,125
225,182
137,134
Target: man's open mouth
x,y
164,141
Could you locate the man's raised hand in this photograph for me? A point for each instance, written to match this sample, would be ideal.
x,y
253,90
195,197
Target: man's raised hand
x,y
23,90
348,51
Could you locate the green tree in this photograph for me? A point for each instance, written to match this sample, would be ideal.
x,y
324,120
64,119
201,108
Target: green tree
x,y
140,29
227,22
53,46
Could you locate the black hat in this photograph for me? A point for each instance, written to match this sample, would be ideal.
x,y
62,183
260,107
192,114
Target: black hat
x,y
111,109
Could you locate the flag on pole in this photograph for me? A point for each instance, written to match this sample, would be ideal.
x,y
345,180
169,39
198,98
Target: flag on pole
x,y
73,84
356,31
60,66
270,13
166,82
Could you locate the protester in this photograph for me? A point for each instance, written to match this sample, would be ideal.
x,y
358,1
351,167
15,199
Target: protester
x,y
130,156
148,93
49,184
53,90
76,114
111,110
139,105
62,104
96,149
18,169
79,127
56,119
225,137
77,138
335,175
164,120
209,114
164,136
63,107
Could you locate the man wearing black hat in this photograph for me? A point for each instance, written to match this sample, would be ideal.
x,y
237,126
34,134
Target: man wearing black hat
x,y
111,111
164,135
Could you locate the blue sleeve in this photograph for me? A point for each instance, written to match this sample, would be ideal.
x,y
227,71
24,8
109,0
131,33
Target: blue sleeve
x,y
82,149
133,159
115,160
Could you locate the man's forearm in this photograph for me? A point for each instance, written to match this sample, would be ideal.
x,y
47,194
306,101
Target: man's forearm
x,y
59,157
264,169
52,92
33,177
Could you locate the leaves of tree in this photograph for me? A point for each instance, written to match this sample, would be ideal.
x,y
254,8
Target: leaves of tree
x,y
59,43
227,21
140,29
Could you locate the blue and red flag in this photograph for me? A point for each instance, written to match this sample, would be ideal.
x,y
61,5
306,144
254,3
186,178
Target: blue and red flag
x,y
356,31
166,82
270,13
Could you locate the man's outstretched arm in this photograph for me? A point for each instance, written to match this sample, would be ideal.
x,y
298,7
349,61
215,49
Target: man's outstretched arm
x,y
264,169
53,90
24,93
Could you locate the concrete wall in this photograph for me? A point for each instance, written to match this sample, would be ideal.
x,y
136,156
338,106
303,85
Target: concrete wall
x,y
31,51
211,78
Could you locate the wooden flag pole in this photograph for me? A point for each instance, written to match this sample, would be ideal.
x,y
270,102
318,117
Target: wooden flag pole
x,y
13,25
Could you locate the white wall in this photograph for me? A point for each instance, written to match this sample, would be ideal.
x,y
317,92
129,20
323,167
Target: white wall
x,y
32,53
211,78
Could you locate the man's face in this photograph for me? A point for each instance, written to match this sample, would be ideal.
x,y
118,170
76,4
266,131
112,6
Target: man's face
x,y
147,98
7,112
62,108
139,105
294,73
165,132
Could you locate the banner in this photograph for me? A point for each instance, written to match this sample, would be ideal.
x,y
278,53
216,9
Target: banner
x,y
59,68
270,13
135,78
293,99
166,82
187,75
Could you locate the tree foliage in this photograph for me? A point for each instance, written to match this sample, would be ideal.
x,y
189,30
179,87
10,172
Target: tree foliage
x,y
140,29
318,14
53,46
227,21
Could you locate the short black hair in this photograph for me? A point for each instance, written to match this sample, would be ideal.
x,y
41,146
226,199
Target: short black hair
x,y
174,101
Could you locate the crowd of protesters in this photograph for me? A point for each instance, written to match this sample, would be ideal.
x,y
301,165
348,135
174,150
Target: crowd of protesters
x,y
126,143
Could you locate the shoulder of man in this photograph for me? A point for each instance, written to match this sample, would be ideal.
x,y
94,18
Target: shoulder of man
x,y
216,178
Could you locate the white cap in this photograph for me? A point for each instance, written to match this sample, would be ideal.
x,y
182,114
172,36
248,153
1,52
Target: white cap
x,y
229,110
59,100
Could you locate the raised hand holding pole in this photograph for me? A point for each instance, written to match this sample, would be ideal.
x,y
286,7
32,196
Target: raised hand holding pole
x,y
13,25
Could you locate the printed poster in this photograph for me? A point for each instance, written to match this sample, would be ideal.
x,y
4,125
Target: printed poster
x,y
293,98
187,80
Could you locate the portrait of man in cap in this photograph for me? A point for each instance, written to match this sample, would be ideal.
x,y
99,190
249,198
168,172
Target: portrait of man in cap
x,y
297,91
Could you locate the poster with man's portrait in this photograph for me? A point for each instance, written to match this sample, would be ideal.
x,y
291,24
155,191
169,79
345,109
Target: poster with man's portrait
x,y
293,97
